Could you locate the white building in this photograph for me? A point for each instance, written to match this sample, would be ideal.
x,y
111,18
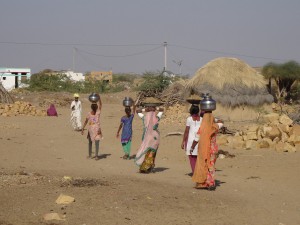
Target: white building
x,y
12,78
72,75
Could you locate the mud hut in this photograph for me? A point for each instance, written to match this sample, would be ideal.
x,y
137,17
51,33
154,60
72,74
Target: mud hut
x,y
232,83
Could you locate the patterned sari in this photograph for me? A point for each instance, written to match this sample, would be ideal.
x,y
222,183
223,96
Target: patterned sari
x,y
145,157
207,153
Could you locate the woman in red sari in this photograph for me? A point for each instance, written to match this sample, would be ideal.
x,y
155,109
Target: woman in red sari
x,y
207,153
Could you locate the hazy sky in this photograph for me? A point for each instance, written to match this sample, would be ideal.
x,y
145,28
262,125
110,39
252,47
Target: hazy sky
x,y
128,35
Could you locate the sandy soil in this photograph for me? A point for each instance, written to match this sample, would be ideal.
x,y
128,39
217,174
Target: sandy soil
x,y
255,187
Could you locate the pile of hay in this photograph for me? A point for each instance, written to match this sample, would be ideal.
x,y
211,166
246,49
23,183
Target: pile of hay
x,y
231,82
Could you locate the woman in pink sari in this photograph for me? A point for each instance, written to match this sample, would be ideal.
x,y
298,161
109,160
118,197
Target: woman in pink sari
x,y
145,157
51,111
94,130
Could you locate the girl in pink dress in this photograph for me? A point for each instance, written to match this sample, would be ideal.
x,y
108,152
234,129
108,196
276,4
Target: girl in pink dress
x,y
94,130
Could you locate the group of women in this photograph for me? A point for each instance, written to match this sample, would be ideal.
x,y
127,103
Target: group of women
x,y
199,140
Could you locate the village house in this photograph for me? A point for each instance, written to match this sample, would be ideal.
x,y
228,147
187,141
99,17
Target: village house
x,y
12,78
104,76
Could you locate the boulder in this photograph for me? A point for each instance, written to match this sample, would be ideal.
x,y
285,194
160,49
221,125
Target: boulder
x,y
289,148
284,137
265,143
273,133
284,128
252,135
253,128
293,139
276,140
236,142
279,147
284,119
251,144
295,130
53,216
271,117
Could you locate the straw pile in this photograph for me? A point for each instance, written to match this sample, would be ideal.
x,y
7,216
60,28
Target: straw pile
x,y
231,82
20,108
4,95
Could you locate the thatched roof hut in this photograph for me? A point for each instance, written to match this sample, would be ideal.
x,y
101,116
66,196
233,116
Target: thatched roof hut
x,y
231,82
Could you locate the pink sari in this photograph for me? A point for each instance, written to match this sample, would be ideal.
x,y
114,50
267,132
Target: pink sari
x,y
94,125
145,156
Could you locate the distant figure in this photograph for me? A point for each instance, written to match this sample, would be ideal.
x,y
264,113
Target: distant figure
x,y
76,113
94,130
126,123
51,111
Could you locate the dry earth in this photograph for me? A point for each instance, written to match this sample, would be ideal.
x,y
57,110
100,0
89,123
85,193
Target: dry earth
x,y
255,187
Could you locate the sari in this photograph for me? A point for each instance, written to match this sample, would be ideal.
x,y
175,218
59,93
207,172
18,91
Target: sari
x,y
51,111
145,157
207,153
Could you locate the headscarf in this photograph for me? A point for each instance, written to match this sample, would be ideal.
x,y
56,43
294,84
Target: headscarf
x,y
52,111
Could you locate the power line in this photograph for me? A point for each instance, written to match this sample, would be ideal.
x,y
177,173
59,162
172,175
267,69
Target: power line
x,y
76,44
227,53
121,56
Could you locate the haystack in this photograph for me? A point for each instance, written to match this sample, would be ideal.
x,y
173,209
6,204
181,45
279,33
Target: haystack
x,y
4,95
231,82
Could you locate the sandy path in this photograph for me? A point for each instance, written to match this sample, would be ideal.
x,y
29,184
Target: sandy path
x,y
255,187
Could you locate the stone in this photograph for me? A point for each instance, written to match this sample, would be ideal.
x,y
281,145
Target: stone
x,y
289,148
271,117
253,128
293,139
222,140
252,136
276,140
264,143
273,133
64,199
53,216
295,130
284,137
284,119
251,144
297,147
236,142
285,128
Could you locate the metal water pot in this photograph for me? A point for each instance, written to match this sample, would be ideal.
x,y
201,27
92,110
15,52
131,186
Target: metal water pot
x,y
94,97
207,103
127,102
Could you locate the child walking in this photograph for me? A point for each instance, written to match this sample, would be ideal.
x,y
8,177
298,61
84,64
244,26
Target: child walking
x,y
94,130
126,123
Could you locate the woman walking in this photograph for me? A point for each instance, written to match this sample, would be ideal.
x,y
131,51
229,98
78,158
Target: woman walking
x,y
207,152
145,157
94,130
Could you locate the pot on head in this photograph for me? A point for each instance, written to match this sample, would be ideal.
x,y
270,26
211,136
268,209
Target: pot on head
x,y
127,102
207,103
94,97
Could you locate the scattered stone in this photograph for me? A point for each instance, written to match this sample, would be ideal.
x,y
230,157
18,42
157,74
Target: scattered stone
x,y
252,135
264,143
222,140
251,144
279,147
271,117
289,148
273,133
53,216
64,199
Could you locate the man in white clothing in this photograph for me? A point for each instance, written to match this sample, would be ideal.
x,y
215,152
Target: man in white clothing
x,y
76,113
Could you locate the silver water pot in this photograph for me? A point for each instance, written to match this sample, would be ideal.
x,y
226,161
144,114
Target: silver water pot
x,y
127,102
94,97
207,103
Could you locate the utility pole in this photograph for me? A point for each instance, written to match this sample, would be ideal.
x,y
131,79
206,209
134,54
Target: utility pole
x,y
165,45
74,52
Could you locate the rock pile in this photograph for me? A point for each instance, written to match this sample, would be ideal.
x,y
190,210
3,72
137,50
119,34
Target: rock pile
x,y
175,114
20,108
277,132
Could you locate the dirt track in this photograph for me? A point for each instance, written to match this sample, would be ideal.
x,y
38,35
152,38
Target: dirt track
x,y
255,187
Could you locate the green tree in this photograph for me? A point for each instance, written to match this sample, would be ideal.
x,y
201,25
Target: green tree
x,y
284,75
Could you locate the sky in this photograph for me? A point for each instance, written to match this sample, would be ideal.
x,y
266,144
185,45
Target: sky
x,y
127,36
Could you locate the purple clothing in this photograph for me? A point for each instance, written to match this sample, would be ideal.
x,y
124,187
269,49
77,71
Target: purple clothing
x,y
127,128
52,111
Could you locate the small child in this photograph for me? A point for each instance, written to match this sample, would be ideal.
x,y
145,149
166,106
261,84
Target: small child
x,y
126,123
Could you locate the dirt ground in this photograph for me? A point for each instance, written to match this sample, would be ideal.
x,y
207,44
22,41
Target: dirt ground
x,y
254,187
